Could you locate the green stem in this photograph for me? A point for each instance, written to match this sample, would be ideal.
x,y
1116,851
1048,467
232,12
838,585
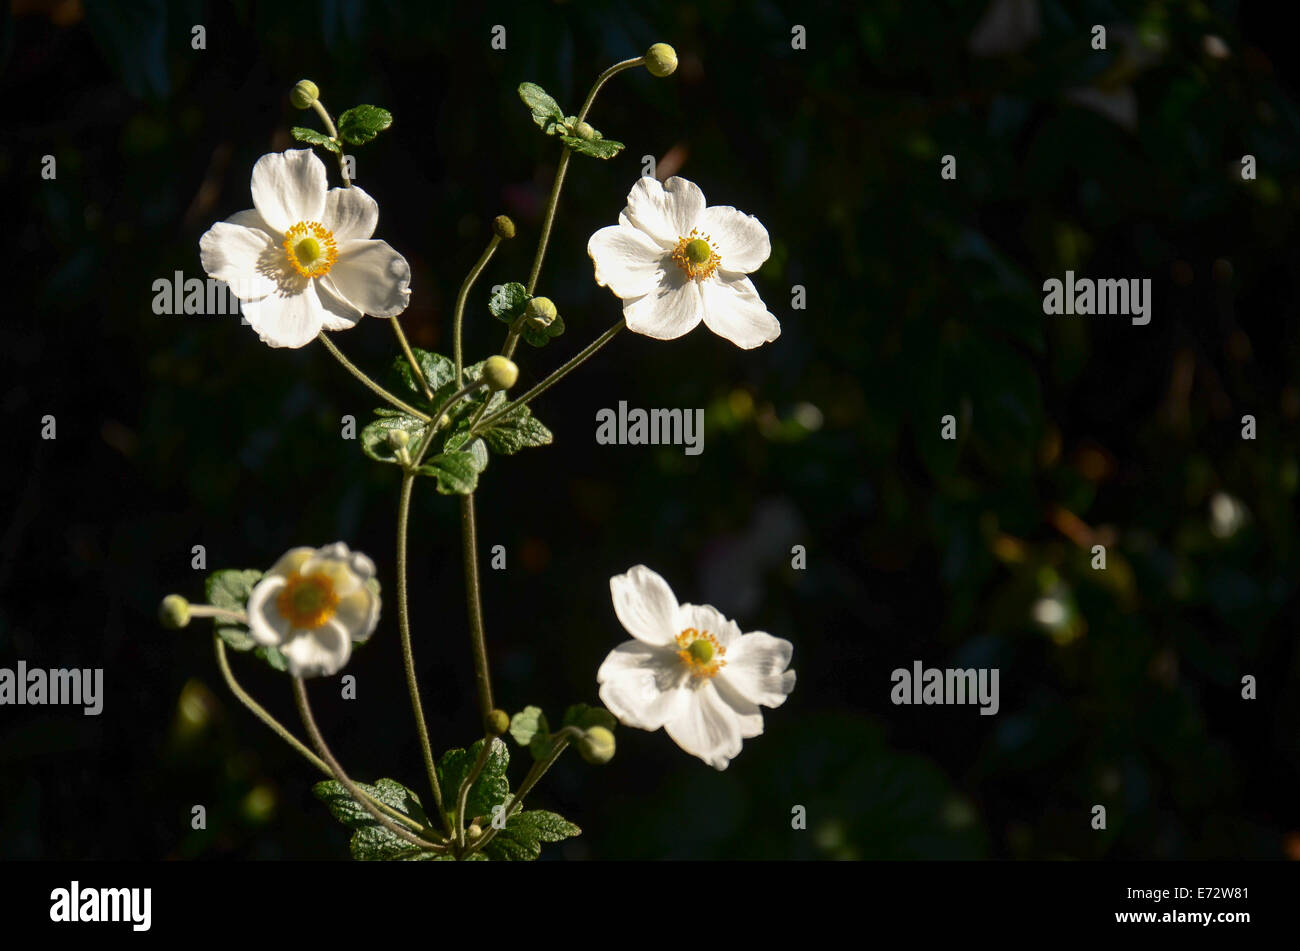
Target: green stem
x,y
463,795
474,600
357,793
532,779
207,610
563,167
459,314
415,367
261,713
408,658
333,134
555,377
369,383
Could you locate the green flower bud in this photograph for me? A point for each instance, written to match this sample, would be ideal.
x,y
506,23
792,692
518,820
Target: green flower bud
x,y
398,438
174,612
304,94
500,373
542,309
496,723
504,227
597,745
584,130
661,60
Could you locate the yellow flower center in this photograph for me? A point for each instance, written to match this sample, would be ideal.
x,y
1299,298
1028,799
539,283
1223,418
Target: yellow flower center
x,y
701,652
307,601
696,255
311,248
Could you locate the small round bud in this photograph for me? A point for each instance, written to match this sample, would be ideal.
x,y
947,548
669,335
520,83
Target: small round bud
x,y
496,722
304,94
473,832
398,438
500,373
541,308
661,60
174,612
504,227
583,130
597,745
444,420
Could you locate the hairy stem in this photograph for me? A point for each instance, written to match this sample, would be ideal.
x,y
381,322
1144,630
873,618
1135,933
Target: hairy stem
x,y
333,134
459,314
369,383
415,367
474,600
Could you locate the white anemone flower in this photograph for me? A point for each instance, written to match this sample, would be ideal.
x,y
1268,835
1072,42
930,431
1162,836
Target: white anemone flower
x,y
675,262
690,670
312,605
302,258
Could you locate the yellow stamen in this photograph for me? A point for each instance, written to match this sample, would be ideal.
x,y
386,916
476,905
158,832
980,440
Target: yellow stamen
x,y
696,255
307,601
701,652
311,248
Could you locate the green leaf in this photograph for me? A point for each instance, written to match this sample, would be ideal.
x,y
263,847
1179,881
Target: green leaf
x,y
508,301
272,656
371,841
540,337
229,589
521,840
546,111
313,137
528,723
456,472
490,789
374,438
438,372
584,717
477,449
360,124
596,148
519,430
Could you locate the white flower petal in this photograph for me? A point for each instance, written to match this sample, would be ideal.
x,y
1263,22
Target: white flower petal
x,y
289,187
756,668
672,309
741,239
627,260
289,317
318,653
749,716
707,727
358,612
705,617
337,569
242,256
340,313
372,277
733,309
265,622
292,561
350,213
665,212
642,684
646,606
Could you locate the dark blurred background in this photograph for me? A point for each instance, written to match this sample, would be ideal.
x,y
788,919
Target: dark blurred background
x,y
1119,687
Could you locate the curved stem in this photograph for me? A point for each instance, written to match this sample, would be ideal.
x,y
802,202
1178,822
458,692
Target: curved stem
x,y
408,658
333,134
261,713
304,710
459,314
463,795
369,383
415,367
534,776
555,377
563,167
474,602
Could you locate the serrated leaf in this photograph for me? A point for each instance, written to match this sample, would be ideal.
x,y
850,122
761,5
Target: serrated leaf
x,y
519,430
527,724
312,137
596,148
371,841
360,124
229,589
489,790
374,438
438,372
508,301
541,336
584,717
546,111
456,442
521,840
456,472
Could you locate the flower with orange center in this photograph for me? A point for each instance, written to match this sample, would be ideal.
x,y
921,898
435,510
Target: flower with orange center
x,y
302,259
676,262
690,670
313,605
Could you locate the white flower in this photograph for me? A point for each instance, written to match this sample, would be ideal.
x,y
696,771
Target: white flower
x,y
312,605
302,258
690,670
675,262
